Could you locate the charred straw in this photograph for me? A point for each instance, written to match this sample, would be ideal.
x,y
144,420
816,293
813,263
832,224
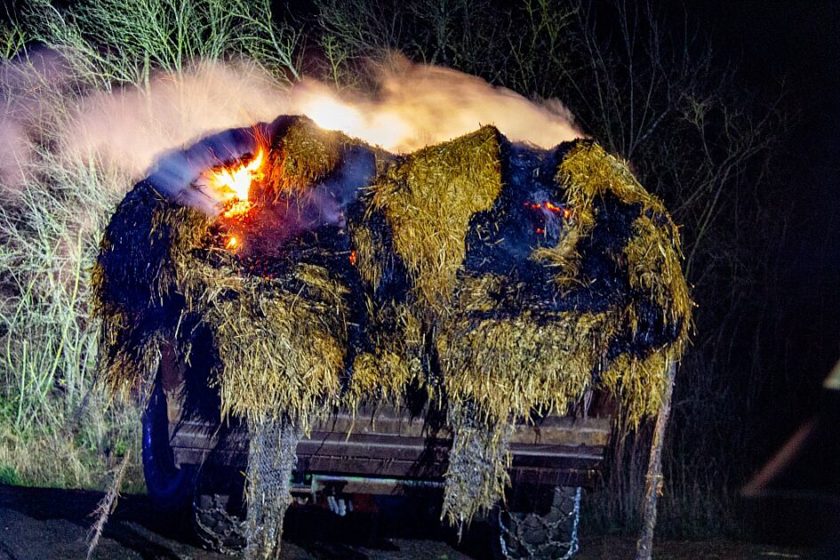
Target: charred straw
x,y
502,279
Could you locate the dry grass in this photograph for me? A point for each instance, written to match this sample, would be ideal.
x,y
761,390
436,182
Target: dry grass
x,y
504,369
281,342
55,428
563,258
108,43
429,198
304,154
654,264
588,171
656,268
280,352
478,466
395,360
510,367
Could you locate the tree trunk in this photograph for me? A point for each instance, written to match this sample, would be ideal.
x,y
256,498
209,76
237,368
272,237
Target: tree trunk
x,y
654,479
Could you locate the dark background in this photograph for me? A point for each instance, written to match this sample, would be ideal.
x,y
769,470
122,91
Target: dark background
x,y
795,45
792,334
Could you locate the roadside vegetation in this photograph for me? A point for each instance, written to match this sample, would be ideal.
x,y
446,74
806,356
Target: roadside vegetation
x,y
56,428
650,91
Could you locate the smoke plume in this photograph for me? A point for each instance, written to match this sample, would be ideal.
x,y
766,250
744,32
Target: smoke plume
x,y
416,105
158,129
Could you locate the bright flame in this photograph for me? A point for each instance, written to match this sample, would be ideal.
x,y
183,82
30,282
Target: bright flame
x,y
413,105
234,183
232,242
375,125
238,207
332,114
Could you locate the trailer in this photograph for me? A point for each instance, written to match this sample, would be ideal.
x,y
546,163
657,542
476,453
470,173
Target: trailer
x,y
193,460
348,322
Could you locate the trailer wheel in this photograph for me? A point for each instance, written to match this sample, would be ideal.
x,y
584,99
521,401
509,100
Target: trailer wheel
x,y
218,507
169,486
552,536
216,525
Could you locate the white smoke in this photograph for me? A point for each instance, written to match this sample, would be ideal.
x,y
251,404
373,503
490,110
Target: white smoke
x,y
130,128
418,105
25,87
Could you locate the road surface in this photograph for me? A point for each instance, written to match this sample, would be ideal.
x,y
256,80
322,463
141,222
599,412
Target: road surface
x,y
44,524
41,524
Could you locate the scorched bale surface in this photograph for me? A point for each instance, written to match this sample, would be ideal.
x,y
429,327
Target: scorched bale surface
x,y
495,279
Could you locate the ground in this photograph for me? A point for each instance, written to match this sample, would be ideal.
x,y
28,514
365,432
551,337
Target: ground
x,y
45,524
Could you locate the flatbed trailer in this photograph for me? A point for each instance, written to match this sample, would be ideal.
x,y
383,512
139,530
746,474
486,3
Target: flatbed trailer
x,y
349,455
391,444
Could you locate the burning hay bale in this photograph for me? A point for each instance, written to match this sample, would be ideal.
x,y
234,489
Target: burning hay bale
x,y
277,310
428,199
533,276
254,286
595,299
505,280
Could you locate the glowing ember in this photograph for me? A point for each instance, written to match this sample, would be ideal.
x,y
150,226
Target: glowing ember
x,y
238,207
232,242
232,184
549,206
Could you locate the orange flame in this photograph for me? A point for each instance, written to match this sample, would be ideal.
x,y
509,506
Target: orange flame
x,y
233,184
232,242
236,182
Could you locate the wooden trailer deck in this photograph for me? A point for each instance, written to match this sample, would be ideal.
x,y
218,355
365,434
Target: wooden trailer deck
x,y
557,451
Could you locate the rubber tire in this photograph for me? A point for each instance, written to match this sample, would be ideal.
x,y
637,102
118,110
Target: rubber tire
x,y
168,486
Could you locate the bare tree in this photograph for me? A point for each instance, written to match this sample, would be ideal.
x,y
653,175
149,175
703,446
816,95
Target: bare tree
x,y
659,96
